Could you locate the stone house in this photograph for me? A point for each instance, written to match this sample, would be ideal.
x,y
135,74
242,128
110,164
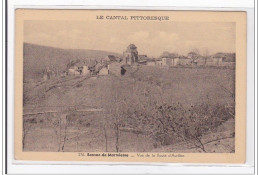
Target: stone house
x,y
167,61
170,61
185,61
71,71
85,70
159,62
80,68
176,61
116,68
213,61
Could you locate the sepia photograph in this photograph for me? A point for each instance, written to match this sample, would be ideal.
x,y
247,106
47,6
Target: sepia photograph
x,y
130,83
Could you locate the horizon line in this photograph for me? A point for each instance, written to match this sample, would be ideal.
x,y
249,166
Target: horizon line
x,y
118,52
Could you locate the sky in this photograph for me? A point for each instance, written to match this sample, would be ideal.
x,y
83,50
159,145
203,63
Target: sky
x,y
151,38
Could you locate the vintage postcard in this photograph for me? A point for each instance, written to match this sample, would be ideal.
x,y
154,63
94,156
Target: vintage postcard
x,y
130,86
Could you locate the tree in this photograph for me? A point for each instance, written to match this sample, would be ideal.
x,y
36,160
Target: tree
x,y
113,105
205,55
194,54
167,54
55,123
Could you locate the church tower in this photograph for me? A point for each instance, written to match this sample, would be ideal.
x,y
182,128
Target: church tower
x,y
130,56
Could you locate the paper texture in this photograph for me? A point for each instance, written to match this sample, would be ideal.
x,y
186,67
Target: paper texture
x,y
130,86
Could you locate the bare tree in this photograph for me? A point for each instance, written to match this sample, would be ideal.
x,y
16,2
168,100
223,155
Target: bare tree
x,y
194,54
65,133
55,124
205,55
106,139
64,119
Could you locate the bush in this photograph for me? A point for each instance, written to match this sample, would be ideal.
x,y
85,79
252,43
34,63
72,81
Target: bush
x,y
169,123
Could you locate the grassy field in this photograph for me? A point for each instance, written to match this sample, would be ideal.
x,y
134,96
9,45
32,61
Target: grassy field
x,y
121,113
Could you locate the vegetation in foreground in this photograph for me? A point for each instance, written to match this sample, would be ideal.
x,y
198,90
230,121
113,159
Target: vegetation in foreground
x,y
175,110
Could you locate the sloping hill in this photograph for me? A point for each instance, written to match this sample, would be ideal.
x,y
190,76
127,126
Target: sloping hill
x,y
36,58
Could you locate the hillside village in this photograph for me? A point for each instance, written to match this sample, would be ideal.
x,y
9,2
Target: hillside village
x,y
131,102
117,65
128,87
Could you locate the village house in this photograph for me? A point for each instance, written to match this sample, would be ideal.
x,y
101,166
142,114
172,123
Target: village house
x,y
116,68
145,60
79,68
71,71
217,60
158,62
150,63
185,61
167,61
92,70
85,70
176,61
170,61
103,71
213,61
77,73
98,66
201,61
